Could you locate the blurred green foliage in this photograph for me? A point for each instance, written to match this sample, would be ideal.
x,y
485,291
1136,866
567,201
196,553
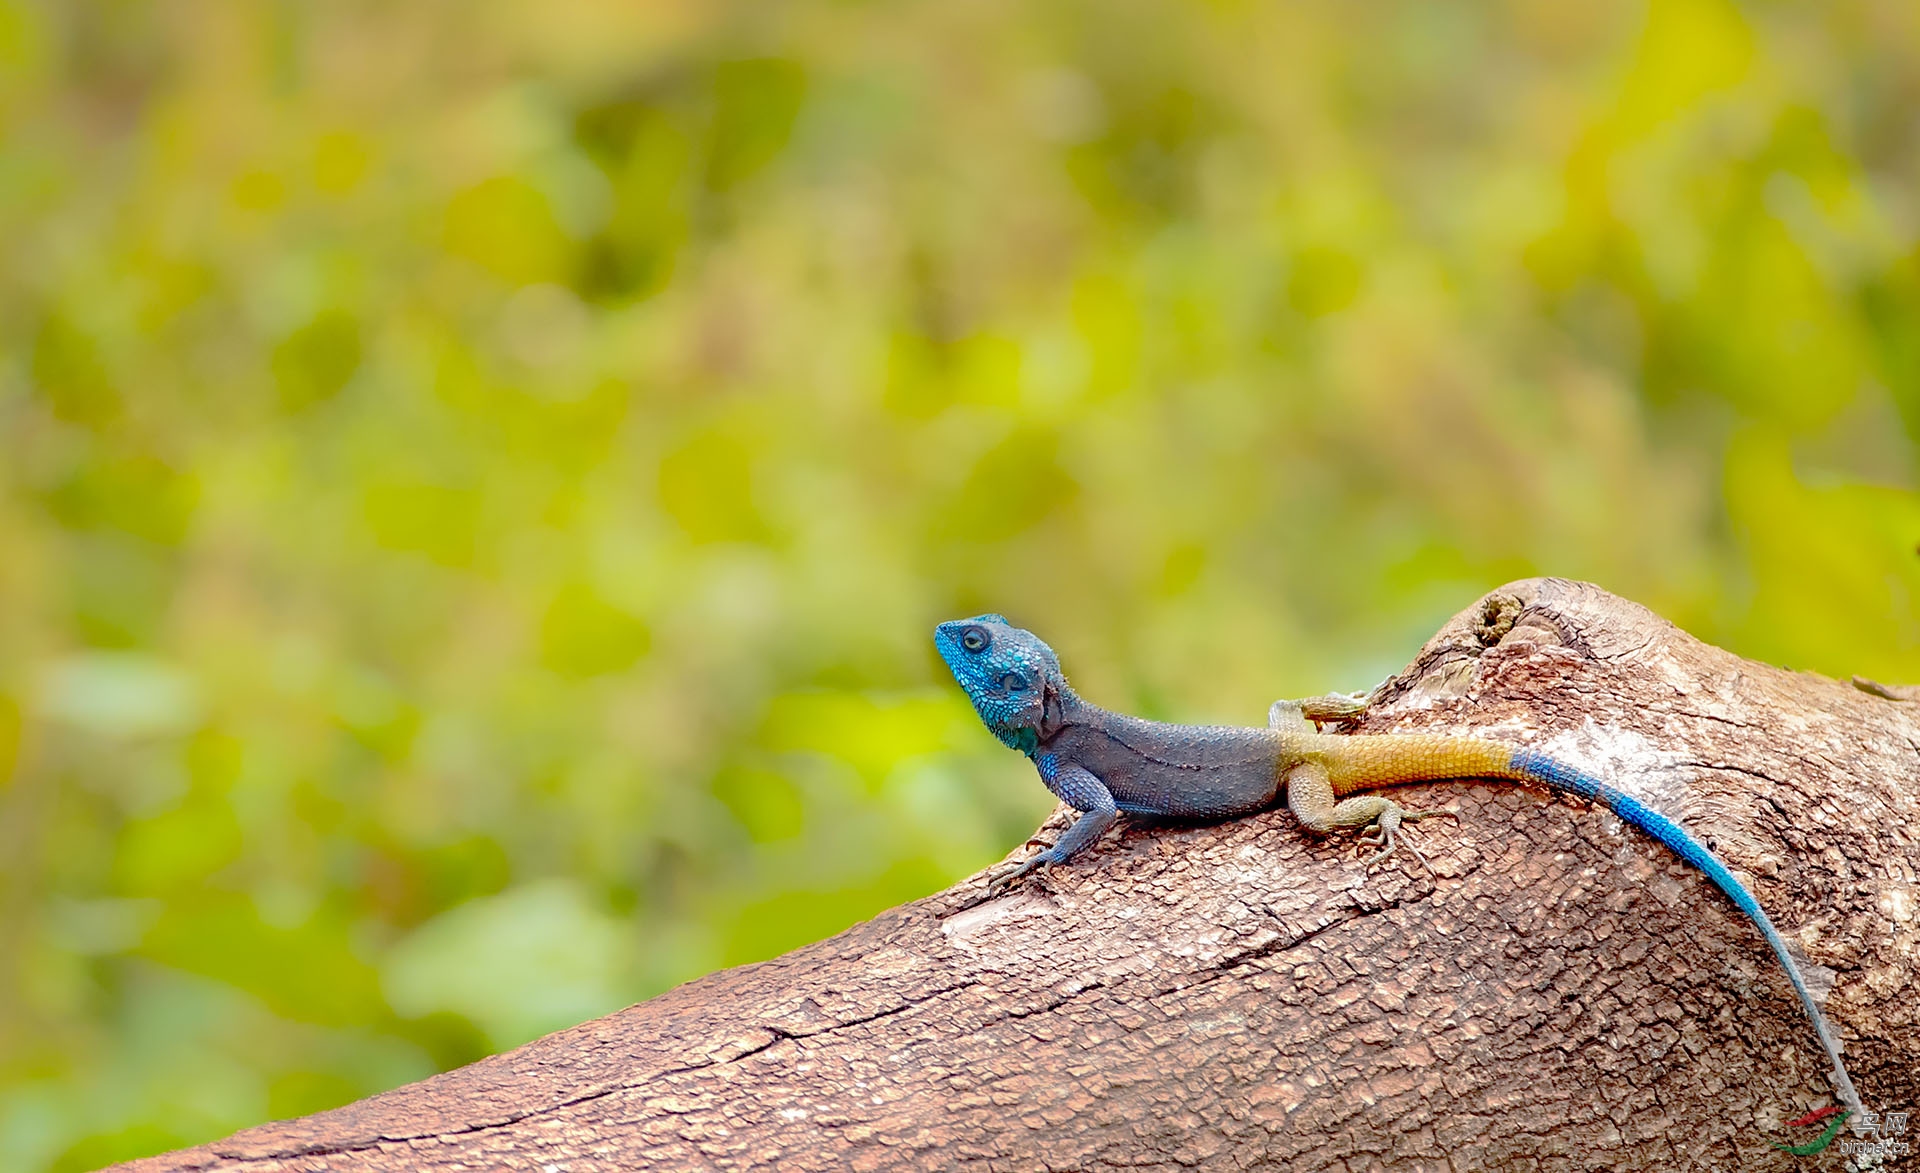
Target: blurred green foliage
x,y
478,477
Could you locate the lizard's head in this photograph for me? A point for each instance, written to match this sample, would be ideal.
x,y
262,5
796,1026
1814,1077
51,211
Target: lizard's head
x,y
1007,672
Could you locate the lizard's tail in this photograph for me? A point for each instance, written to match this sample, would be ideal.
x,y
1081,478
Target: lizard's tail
x,y
1531,764
1365,762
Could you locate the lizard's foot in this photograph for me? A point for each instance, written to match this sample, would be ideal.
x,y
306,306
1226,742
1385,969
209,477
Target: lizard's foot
x,y
1006,875
1383,833
1302,715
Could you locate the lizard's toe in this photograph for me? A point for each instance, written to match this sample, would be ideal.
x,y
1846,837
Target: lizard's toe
x,y
1394,843
1012,873
1388,843
1385,833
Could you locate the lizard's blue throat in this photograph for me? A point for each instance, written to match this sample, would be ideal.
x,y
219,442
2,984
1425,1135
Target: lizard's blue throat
x,y
1025,738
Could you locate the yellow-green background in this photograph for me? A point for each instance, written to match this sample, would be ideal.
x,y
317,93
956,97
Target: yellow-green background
x,y
476,478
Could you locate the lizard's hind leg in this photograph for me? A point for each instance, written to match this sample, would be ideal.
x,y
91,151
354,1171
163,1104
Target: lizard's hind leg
x,y
1303,715
1310,796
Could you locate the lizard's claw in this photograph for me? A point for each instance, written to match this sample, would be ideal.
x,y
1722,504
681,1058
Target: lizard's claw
x,y
1008,874
1384,833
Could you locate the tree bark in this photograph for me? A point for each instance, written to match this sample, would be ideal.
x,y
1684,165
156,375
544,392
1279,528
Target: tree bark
x,y
1557,991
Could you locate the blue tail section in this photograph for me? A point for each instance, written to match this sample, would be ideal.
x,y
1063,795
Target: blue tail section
x,y
1540,767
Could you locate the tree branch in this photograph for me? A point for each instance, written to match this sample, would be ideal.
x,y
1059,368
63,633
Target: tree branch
x,y
1558,989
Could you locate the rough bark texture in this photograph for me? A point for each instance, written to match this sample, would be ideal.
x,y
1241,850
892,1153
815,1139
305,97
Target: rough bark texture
x,y
1557,993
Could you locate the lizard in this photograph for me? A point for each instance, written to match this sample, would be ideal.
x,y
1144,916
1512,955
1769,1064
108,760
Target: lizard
x,y
1104,764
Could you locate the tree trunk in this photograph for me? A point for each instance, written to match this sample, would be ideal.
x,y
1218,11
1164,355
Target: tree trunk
x,y
1557,991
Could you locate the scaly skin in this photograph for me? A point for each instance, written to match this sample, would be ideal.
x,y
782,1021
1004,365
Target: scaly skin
x,y
1103,763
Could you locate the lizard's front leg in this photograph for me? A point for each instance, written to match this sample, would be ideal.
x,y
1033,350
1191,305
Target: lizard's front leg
x,y
1079,789
1310,796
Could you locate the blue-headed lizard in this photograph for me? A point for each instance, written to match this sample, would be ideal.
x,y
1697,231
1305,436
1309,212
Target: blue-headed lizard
x,y
1103,763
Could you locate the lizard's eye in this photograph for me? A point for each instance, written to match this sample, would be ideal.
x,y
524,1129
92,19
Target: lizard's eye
x,y
1012,682
974,640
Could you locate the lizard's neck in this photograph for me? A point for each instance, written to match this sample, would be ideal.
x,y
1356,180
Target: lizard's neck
x,y
1062,707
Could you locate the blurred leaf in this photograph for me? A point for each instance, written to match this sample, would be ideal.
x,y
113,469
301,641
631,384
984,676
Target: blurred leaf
x,y
69,372
306,972
794,918
100,926
1689,49
707,486
439,521
507,227
341,160
119,588
530,960
754,106
1323,281
12,733
646,155
314,362
767,804
1015,485
872,733
120,694
127,492
178,849
584,635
